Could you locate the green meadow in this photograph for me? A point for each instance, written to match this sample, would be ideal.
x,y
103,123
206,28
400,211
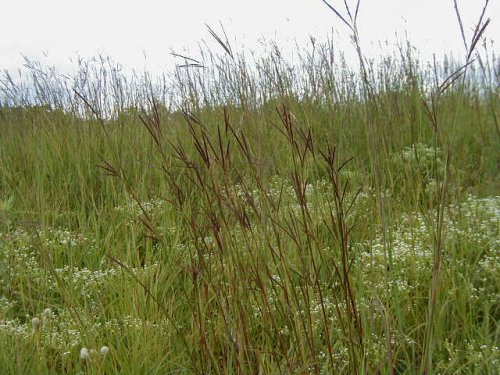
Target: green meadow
x,y
252,215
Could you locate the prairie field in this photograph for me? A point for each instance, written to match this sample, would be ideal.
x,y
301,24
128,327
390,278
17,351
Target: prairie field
x,y
252,215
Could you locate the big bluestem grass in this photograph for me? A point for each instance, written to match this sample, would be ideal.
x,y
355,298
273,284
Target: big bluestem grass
x,y
252,214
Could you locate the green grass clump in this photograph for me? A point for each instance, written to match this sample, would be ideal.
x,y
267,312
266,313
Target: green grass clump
x,y
263,217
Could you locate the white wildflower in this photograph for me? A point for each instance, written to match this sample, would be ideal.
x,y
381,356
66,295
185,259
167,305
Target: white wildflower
x,y
104,350
84,353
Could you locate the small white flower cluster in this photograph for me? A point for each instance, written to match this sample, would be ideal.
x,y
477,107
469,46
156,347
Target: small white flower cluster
x,y
472,224
17,254
61,237
425,160
424,154
5,305
85,280
15,327
132,209
472,357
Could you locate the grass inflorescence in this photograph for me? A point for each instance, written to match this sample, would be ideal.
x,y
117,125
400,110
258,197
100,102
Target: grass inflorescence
x,y
252,216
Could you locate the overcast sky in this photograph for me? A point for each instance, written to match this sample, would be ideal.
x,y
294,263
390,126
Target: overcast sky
x,y
54,31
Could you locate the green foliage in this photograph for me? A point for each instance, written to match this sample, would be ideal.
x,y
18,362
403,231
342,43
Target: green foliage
x,y
229,236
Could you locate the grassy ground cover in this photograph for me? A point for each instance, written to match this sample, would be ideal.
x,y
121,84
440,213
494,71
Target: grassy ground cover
x,y
252,217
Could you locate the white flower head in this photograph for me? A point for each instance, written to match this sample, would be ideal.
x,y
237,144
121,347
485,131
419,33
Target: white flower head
x,y
104,350
84,353
47,313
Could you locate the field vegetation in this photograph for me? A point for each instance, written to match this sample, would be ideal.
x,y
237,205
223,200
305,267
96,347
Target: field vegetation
x,y
253,215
